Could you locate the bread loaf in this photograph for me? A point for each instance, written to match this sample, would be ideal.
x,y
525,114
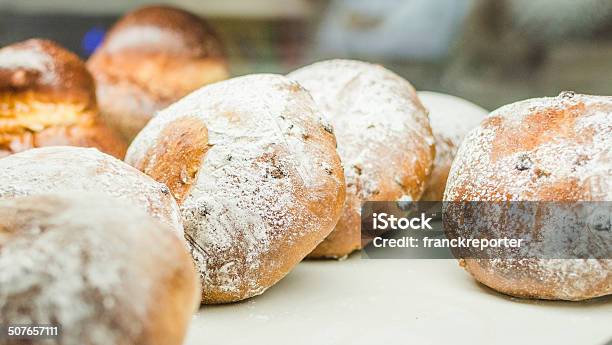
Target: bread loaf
x,y
101,269
384,139
539,150
150,58
256,174
47,98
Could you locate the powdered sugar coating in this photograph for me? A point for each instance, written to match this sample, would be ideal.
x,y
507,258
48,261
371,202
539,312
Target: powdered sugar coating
x,y
384,138
546,149
369,107
28,59
559,138
74,169
92,264
269,188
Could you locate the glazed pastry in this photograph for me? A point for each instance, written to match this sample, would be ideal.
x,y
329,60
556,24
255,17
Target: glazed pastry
x,y
150,58
47,98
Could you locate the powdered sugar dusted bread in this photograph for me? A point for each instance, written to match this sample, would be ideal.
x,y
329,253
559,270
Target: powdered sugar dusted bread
x,y
545,149
47,98
256,174
75,169
384,139
150,58
103,270
451,118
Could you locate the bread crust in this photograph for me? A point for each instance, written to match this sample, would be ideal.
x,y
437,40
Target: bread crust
x,y
262,186
150,58
102,269
47,97
384,139
545,149
75,169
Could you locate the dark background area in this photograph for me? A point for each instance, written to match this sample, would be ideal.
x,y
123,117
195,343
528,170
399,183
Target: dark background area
x,y
489,52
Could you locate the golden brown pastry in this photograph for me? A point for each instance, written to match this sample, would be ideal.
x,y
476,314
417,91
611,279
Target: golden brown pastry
x,y
256,174
76,169
150,58
47,98
384,139
451,118
104,271
540,150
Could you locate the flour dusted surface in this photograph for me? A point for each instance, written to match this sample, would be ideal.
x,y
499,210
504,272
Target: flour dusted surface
x,y
547,149
372,111
266,190
66,169
383,134
83,261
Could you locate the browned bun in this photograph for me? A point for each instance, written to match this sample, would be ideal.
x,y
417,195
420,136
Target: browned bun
x,y
104,271
47,98
150,58
384,139
541,150
256,174
451,118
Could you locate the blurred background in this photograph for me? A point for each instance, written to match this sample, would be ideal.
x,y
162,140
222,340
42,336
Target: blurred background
x,y
491,52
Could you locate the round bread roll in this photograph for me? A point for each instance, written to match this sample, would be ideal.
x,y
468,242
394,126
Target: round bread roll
x,y
256,174
47,98
544,149
102,270
384,139
451,118
75,169
150,58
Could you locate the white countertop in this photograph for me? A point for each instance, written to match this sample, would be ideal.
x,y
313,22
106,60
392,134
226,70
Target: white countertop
x,y
360,301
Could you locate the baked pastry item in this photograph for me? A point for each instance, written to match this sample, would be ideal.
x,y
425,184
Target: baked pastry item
x,y
544,150
150,58
104,271
76,169
451,118
47,98
384,139
256,174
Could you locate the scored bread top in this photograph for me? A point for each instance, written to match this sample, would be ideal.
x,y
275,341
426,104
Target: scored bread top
x,y
261,181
